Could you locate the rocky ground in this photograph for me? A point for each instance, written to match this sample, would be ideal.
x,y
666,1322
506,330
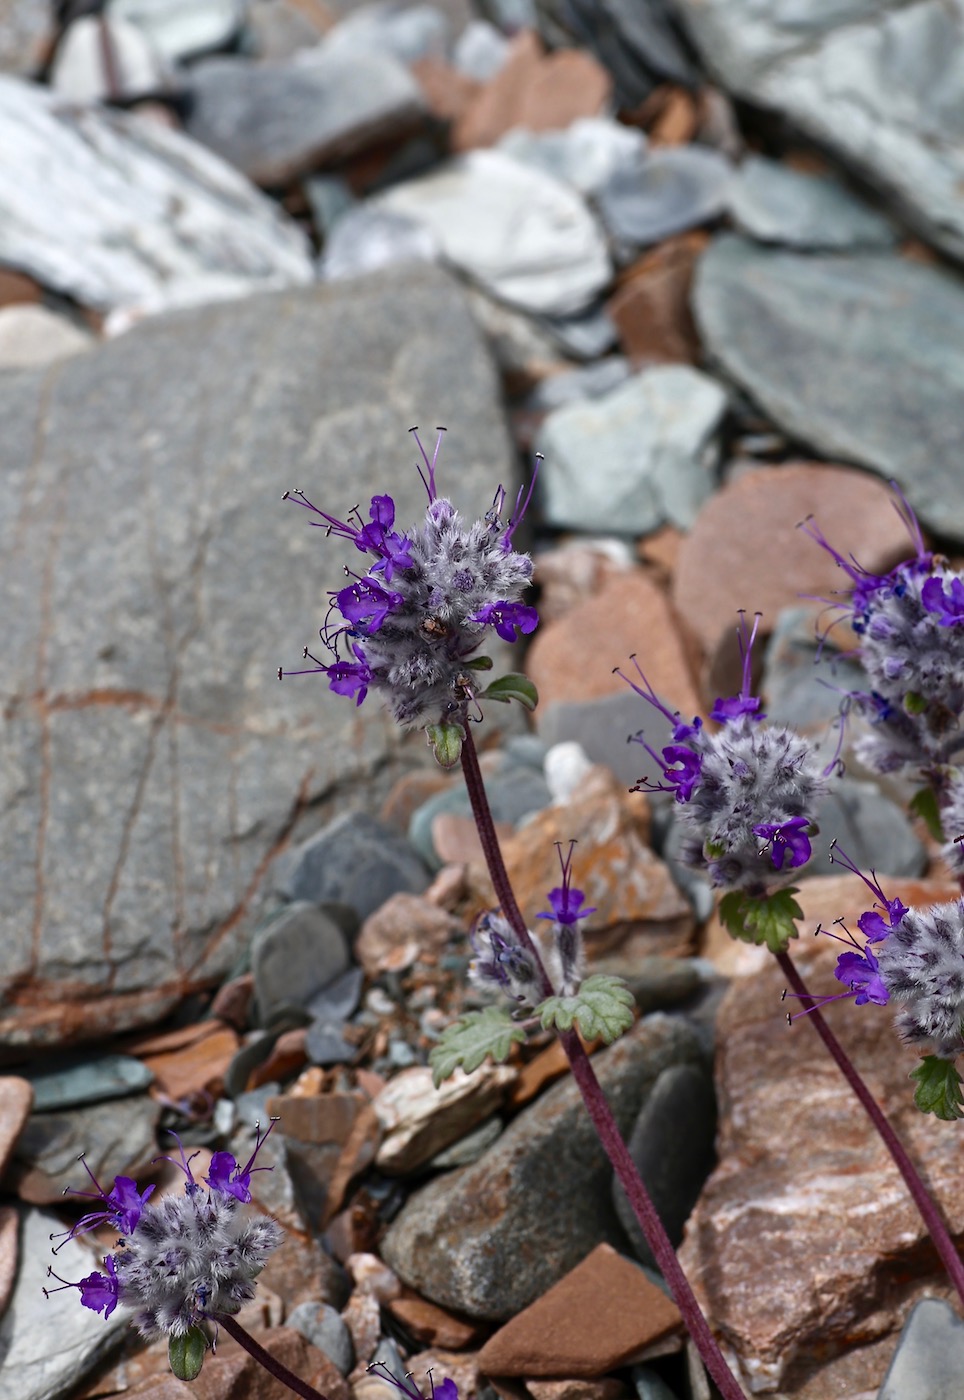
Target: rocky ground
x,y
703,256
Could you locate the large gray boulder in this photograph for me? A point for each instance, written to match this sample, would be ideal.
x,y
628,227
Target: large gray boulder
x,y
151,765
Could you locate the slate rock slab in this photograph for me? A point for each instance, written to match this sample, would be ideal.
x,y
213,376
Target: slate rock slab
x,y
118,1138
276,121
123,214
355,860
774,203
294,957
490,1238
46,1346
880,82
929,1360
860,356
151,765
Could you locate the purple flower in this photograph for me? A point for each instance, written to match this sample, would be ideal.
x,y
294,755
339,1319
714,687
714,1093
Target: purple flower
x,y
565,900
682,779
226,1176
871,924
861,973
123,1207
506,618
98,1292
379,538
367,604
350,677
736,706
785,839
949,603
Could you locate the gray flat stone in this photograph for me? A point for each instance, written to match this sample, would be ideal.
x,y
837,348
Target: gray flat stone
x,y
89,1081
125,215
152,763
862,357
365,239
490,1238
520,233
873,830
47,1345
299,953
929,1360
277,121
118,1138
668,191
585,154
635,458
325,1329
775,204
880,82
356,860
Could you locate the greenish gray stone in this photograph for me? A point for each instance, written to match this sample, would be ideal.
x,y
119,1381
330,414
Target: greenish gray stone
x,y
860,356
929,1360
117,1138
490,1238
90,1081
151,764
774,203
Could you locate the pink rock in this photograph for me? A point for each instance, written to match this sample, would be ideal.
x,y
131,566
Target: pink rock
x,y
403,920
16,1101
9,1253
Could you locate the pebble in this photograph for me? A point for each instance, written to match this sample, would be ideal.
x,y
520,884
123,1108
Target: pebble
x,y
355,860
514,793
929,1358
88,1081
651,305
585,154
431,1325
522,235
672,1145
32,336
295,956
533,90
183,31
874,831
780,323
596,1318
80,71
419,1121
372,1276
649,1385
576,385
669,191
9,1253
481,1240
362,1317
474,1144
774,203
404,926
480,50
364,240
635,458
118,1137
324,1328
802,678
717,573
16,1102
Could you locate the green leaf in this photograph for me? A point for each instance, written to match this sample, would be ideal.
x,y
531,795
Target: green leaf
x,y
186,1354
473,1038
914,703
938,1089
770,920
512,687
479,663
602,1009
445,741
924,805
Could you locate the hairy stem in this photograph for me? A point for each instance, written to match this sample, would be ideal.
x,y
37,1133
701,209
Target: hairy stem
x,y
931,1216
265,1359
596,1102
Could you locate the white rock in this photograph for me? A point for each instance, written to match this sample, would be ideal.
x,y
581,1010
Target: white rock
x,y
180,28
420,1120
635,458
566,768
365,239
121,213
32,335
585,155
525,236
480,50
80,68
407,34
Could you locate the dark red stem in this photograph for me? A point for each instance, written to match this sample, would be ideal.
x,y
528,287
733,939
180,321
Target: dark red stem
x,y
932,1218
596,1102
265,1359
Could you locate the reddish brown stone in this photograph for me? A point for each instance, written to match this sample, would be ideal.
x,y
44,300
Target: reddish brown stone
x,y
606,1389
17,287
16,1101
745,550
9,1253
316,1118
408,794
357,1154
805,1242
651,305
599,1316
629,615
538,91
232,1003
456,838
548,1066
362,1317
670,116
429,1323
448,92
289,1055
461,1367
404,922
576,571
195,1068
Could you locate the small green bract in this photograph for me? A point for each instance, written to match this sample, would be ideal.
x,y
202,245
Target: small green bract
x,y
770,920
445,741
938,1089
602,1009
186,1353
473,1038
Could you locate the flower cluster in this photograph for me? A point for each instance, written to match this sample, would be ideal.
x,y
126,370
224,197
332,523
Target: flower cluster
x,y
910,626
504,962
183,1258
911,957
411,626
746,792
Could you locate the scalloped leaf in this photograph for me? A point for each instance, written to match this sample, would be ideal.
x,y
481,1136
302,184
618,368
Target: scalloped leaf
x,y
770,920
445,741
924,805
514,686
186,1353
938,1089
477,1036
602,1009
